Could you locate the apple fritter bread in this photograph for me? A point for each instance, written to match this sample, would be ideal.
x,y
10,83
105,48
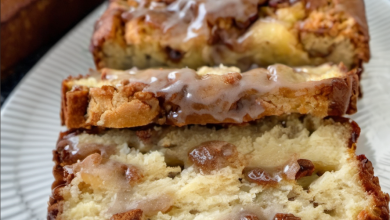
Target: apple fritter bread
x,y
287,167
210,95
242,33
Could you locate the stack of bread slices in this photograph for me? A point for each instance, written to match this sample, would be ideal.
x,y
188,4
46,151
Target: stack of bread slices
x,y
218,109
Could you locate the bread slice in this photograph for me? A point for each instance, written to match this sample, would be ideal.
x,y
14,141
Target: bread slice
x,y
210,95
240,33
286,167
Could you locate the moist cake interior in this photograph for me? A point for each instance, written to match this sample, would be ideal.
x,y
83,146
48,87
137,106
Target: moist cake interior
x,y
293,164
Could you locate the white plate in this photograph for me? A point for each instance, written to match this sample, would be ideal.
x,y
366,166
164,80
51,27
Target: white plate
x,y
30,121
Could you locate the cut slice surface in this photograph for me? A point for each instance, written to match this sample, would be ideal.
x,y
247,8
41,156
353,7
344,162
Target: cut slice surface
x,y
296,166
197,33
210,95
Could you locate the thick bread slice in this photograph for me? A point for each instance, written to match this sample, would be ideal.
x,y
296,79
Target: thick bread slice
x,y
210,95
288,167
180,33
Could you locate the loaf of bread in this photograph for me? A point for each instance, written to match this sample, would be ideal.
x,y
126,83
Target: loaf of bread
x,y
27,25
210,95
286,167
242,33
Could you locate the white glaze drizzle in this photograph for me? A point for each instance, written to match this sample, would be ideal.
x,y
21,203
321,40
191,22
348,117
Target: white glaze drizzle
x,y
184,20
210,94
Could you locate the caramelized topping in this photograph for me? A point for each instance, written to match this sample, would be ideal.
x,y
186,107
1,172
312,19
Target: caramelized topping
x,y
213,155
271,176
306,168
282,216
249,217
232,78
135,214
131,173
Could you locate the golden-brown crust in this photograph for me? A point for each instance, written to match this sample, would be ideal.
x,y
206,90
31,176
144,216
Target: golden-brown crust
x,y
54,209
354,8
379,209
56,200
111,27
61,158
344,89
283,216
73,103
355,130
108,27
327,20
139,109
130,106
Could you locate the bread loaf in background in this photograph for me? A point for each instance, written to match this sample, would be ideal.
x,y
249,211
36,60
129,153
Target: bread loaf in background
x,y
27,25
238,33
